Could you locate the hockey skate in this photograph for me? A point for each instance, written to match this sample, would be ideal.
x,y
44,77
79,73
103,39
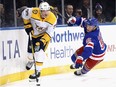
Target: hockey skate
x,y
72,66
78,72
34,76
29,65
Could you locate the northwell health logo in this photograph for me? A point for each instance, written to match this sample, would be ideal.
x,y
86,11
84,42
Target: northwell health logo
x,y
67,36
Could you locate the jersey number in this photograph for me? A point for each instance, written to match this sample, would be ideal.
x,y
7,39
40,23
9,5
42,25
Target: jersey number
x,y
101,42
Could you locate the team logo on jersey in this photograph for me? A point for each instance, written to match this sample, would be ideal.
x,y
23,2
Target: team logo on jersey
x,y
40,28
88,40
35,11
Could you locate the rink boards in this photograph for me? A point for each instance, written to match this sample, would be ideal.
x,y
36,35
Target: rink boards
x,y
65,40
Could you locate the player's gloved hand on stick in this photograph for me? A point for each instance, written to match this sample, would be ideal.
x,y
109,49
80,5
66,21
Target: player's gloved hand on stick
x,y
71,20
28,30
79,62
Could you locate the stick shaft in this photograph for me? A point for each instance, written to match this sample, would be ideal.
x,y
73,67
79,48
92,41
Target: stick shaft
x,y
32,48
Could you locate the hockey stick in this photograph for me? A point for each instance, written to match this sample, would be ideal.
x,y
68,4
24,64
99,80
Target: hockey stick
x,y
32,48
61,15
52,8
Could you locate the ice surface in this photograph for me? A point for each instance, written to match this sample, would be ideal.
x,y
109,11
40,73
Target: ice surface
x,y
95,78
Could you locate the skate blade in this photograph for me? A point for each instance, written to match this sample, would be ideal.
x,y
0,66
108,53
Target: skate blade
x,y
32,80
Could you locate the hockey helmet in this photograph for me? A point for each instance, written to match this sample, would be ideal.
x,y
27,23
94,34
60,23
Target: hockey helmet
x,y
44,6
98,7
92,21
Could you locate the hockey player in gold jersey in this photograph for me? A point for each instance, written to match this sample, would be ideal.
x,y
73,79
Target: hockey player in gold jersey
x,y
40,22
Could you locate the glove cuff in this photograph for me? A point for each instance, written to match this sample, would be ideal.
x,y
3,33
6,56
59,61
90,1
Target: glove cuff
x,y
79,59
71,20
28,30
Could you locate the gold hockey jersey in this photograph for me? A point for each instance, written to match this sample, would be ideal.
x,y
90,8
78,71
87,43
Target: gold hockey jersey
x,y
32,18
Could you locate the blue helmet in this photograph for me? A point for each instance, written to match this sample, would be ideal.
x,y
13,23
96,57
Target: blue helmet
x,y
92,21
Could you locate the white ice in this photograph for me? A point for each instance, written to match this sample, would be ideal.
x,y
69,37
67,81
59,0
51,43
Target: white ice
x,y
95,78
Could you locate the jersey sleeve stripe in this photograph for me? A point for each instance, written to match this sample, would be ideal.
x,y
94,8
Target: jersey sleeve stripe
x,y
27,23
90,44
97,57
27,26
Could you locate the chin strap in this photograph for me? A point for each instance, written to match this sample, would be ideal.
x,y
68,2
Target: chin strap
x,y
94,28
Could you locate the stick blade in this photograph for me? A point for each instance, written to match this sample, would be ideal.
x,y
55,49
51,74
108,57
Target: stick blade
x,y
34,81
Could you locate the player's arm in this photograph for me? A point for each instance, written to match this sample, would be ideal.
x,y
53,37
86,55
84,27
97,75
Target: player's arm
x,y
50,29
45,37
88,49
26,15
79,21
48,34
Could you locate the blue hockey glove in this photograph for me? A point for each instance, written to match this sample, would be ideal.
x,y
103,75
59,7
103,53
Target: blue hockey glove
x,y
79,62
71,20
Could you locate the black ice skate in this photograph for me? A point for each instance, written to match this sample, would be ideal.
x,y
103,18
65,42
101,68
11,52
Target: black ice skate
x,y
34,76
78,73
29,65
72,66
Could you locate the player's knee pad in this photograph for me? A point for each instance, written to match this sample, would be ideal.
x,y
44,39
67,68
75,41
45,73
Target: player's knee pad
x,y
37,48
40,55
73,58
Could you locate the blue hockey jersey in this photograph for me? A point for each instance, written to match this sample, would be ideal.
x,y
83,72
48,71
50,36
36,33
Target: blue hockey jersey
x,y
94,46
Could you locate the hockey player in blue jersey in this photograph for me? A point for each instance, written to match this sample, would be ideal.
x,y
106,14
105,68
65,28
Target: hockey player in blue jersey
x,y
93,49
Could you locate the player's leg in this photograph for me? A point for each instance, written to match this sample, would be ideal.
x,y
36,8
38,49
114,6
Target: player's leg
x,y
40,55
30,56
88,65
74,56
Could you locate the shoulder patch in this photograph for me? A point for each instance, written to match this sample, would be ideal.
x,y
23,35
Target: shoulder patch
x,y
35,11
88,40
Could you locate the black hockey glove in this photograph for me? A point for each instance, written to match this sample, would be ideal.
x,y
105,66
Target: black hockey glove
x,y
44,39
28,30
